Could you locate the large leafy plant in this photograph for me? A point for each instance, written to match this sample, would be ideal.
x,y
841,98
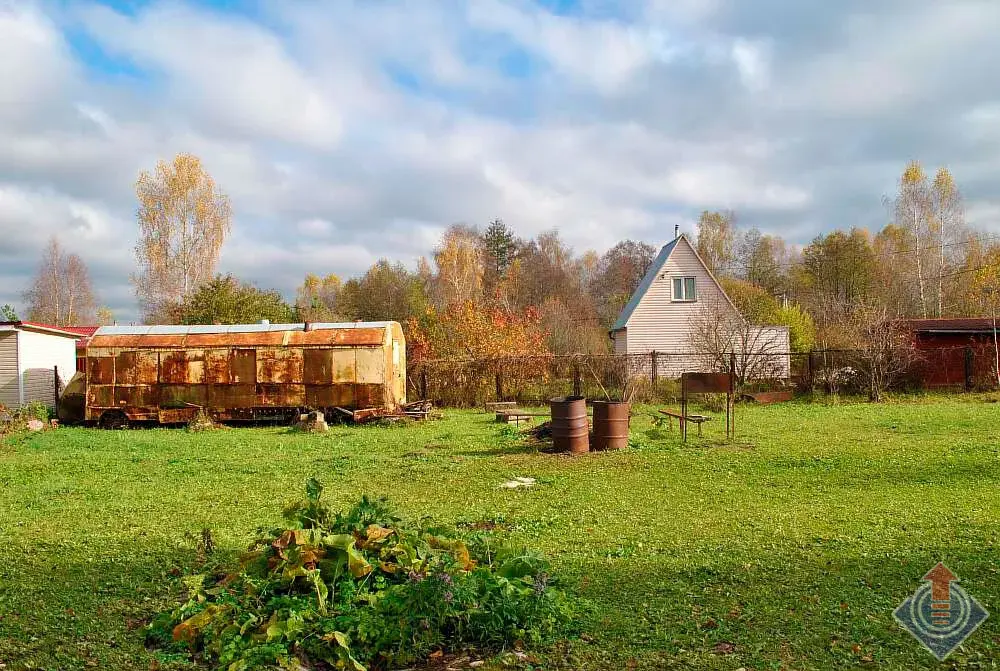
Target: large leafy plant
x,y
361,589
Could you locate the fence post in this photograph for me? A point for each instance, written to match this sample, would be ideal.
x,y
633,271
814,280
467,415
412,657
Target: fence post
x,y
577,385
423,382
499,382
55,385
812,372
968,367
653,373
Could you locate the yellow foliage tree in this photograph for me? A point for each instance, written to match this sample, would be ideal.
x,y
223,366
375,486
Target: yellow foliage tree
x,y
183,221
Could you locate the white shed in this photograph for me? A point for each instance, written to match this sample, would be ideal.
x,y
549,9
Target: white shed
x,y
29,356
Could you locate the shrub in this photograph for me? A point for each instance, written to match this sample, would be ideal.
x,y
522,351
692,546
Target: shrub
x,y
361,588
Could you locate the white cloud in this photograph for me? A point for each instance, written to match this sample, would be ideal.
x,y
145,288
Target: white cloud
x,y
351,131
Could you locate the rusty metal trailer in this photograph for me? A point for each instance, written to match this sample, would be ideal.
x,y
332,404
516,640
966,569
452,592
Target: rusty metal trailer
x,y
167,374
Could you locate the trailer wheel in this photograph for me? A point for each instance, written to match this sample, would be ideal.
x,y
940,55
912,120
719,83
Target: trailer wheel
x,y
113,419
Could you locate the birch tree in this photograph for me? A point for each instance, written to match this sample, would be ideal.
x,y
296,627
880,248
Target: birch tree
x,y
717,240
948,223
61,293
912,210
184,220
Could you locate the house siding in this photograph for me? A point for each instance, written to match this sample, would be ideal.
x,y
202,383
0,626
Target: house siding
x,y
40,353
9,391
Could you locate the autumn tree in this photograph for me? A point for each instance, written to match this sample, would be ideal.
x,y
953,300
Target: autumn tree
x,y
61,292
105,317
316,300
387,291
761,308
184,220
912,211
548,268
840,265
717,240
468,331
459,264
759,260
948,224
226,300
618,274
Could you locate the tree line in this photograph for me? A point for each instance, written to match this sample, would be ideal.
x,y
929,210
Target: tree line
x,y
486,291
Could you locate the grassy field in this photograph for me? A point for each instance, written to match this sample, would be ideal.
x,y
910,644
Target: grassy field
x,y
788,549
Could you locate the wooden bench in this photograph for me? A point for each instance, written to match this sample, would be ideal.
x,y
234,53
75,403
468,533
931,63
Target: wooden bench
x,y
697,419
493,406
514,417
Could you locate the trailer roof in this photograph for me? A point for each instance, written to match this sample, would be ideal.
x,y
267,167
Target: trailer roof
x,y
180,329
241,335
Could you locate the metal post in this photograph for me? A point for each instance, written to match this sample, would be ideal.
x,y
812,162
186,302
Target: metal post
x,y
731,396
55,384
499,382
684,408
812,373
577,384
423,383
653,373
968,367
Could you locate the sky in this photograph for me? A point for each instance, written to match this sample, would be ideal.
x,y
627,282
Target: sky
x,y
348,131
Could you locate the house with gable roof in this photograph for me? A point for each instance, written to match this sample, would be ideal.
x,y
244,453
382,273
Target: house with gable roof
x,y
660,315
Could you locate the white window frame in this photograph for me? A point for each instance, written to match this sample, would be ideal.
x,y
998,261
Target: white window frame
x,y
683,279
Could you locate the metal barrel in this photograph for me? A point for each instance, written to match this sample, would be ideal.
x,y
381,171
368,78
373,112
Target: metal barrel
x,y
611,425
570,431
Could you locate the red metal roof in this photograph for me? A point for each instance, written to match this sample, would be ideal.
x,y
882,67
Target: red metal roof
x,y
951,325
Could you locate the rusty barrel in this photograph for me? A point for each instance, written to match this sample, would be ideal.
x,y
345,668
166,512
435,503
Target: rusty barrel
x,y
570,431
611,425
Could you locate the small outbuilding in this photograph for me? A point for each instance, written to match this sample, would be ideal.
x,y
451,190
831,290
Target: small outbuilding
x,y
31,356
955,352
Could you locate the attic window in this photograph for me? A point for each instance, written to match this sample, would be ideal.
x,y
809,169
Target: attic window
x,y
684,289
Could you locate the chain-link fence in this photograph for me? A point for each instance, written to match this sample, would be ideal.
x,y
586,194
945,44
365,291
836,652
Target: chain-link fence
x,y
654,376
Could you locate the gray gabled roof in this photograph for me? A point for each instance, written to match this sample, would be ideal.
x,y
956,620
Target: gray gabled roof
x,y
647,281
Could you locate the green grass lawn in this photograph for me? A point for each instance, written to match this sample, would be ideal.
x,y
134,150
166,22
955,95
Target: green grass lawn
x,y
788,549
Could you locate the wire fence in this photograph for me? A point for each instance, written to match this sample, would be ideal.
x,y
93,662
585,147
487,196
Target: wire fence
x,y
654,376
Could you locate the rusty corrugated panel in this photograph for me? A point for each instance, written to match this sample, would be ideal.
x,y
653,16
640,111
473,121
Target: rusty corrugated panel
x,y
101,370
176,415
343,337
231,396
183,366
217,366
331,337
330,395
252,339
100,396
370,365
276,365
281,395
243,366
137,341
369,395
182,395
145,398
136,367
344,365
317,366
